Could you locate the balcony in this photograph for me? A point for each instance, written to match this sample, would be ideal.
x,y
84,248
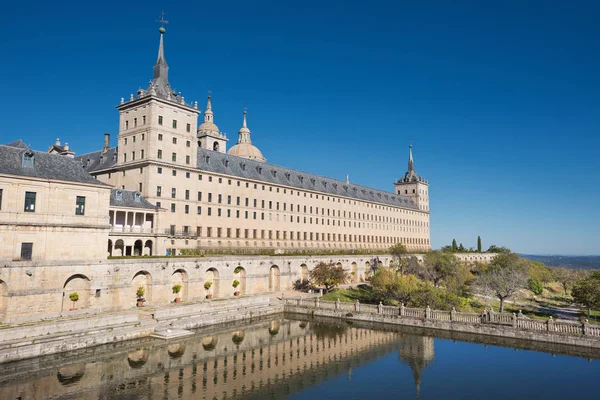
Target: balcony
x,y
185,234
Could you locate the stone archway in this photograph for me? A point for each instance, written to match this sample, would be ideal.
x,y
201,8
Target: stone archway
x,y
138,248
79,284
274,274
119,249
304,274
180,277
212,275
148,247
3,299
110,248
239,274
142,279
354,273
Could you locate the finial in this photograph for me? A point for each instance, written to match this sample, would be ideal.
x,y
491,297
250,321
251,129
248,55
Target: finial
x,y
162,21
244,123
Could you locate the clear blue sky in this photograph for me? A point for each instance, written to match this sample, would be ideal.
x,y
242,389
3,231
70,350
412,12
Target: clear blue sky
x,y
500,99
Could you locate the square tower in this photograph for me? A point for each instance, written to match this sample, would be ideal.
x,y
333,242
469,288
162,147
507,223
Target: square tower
x,y
414,186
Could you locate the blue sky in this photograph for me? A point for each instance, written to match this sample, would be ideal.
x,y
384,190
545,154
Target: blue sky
x,y
500,99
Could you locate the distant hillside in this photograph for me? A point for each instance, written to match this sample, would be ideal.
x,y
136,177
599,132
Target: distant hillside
x,y
574,262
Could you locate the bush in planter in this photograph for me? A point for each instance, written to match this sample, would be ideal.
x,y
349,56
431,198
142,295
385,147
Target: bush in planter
x,y
176,289
140,292
237,339
74,297
207,286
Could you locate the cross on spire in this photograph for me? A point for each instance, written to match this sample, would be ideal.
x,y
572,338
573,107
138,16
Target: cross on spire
x,y
162,20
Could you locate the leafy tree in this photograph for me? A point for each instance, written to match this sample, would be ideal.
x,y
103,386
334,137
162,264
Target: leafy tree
x,y
479,244
438,266
586,291
566,277
541,272
302,285
397,251
393,288
454,246
496,249
328,275
535,286
504,277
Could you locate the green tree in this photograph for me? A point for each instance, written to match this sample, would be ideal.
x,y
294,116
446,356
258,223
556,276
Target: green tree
x,y
541,272
454,246
566,277
503,277
496,249
398,251
586,291
535,286
328,275
438,266
392,288
479,244
461,248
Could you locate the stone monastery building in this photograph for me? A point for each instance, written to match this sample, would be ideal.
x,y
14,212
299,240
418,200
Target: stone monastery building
x,y
172,185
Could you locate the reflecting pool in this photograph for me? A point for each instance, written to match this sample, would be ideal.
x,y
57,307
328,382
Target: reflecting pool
x,y
285,358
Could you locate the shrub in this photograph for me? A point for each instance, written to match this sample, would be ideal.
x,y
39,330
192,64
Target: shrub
x,y
535,286
176,288
236,283
302,285
140,292
74,296
207,285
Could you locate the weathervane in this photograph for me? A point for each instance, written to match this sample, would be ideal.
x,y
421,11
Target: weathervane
x,y
162,21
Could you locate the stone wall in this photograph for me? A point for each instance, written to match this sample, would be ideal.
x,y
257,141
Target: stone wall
x,y
31,291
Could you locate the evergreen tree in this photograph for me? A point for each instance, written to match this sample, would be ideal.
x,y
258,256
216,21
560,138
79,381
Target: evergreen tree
x,y
454,246
461,248
479,244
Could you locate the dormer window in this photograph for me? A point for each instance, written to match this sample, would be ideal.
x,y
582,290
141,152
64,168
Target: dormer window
x,y
301,179
119,195
226,163
243,166
274,173
259,170
324,183
138,197
287,175
312,180
27,160
335,186
88,163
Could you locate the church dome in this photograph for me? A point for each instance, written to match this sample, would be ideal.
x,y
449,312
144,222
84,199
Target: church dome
x,y
208,126
246,150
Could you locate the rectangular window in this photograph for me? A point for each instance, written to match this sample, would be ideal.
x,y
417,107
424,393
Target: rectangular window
x,y
126,124
158,204
159,155
174,172
140,187
142,154
199,196
174,124
187,175
187,159
199,210
124,157
143,123
218,212
160,122
219,198
228,213
26,251
188,128
173,157
80,205
187,194
134,125
174,140
209,211
159,170
228,200
187,209
30,201
210,197
172,207
173,193
160,137
158,191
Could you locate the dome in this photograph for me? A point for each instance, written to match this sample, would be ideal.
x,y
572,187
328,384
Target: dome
x,y
246,150
208,126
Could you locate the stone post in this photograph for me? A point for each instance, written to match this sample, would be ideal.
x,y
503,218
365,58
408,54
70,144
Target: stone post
x,y
453,314
402,310
584,327
514,320
317,302
321,292
520,315
357,306
380,308
491,315
550,324
337,303
428,312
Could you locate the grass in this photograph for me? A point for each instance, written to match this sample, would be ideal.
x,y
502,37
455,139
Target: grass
x,y
478,305
594,316
362,293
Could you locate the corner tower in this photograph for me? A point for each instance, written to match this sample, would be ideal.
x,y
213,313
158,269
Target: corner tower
x,y
414,186
157,124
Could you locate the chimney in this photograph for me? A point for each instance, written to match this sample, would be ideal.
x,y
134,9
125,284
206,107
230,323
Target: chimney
x,y
57,142
106,141
66,147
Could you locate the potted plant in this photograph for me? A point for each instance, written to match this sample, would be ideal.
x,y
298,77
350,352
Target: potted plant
x,y
207,286
140,296
74,297
236,283
176,290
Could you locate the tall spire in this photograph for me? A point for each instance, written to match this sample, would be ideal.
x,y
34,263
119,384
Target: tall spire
x,y
208,114
244,133
161,69
411,163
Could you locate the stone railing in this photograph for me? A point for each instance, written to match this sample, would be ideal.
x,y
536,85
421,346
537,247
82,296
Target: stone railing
x,y
517,321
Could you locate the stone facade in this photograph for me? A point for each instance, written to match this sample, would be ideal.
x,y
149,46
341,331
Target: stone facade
x,y
40,290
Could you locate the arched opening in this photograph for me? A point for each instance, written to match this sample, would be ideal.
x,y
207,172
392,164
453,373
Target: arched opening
x,y
3,299
79,284
274,279
138,247
354,273
303,272
216,146
142,279
148,248
119,248
180,277
110,248
239,274
212,275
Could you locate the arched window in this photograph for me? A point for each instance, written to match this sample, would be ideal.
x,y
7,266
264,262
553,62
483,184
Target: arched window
x,y
216,146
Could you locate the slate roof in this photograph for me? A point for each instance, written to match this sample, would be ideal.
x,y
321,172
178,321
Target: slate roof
x,y
45,166
241,167
97,160
222,163
127,198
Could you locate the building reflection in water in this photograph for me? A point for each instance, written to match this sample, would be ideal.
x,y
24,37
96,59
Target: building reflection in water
x,y
267,359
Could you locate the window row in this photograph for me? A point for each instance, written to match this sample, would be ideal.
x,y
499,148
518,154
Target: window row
x,y
188,127
30,203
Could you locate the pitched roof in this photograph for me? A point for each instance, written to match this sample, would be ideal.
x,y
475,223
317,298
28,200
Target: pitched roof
x,y
45,166
212,161
98,160
128,198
